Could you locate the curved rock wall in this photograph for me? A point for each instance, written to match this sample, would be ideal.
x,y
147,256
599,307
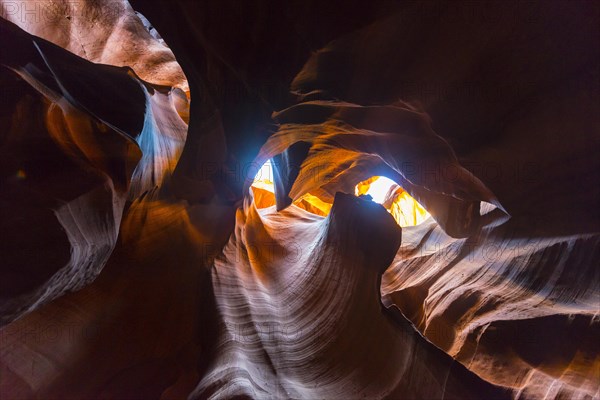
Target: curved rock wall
x,y
486,113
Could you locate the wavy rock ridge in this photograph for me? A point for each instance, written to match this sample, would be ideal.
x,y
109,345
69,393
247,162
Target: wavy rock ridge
x,y
137,262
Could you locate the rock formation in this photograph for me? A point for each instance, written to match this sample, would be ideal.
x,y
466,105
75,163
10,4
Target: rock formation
x,y
141,261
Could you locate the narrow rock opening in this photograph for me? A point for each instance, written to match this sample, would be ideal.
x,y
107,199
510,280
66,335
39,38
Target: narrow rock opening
x,y
404,208
263,192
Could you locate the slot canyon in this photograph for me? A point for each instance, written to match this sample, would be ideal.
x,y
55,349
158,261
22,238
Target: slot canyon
x,y
300,199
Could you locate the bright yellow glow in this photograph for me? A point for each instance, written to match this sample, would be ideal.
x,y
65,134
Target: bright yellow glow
x,y
263,190
405,210
264,176
314,205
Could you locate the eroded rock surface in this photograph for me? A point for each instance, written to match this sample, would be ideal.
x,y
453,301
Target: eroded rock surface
x,y
137,262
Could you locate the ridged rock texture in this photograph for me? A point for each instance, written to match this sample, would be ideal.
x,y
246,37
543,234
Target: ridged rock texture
x,y
139,262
